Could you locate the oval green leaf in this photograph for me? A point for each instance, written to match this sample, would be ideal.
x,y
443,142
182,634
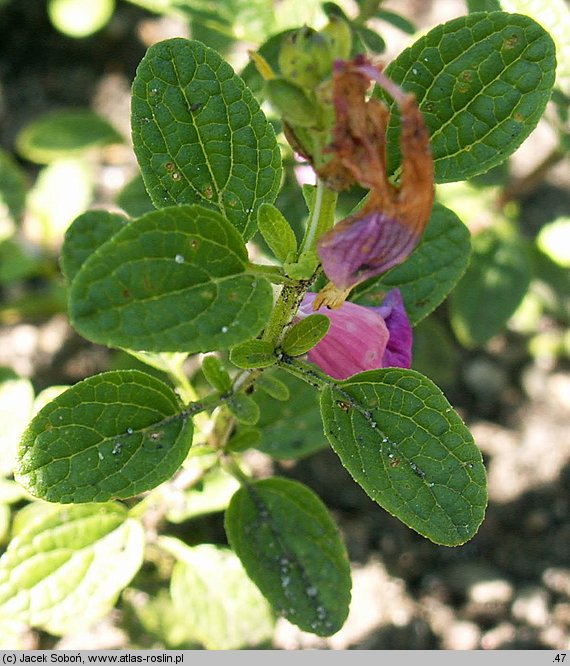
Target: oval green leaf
x,y
431,271
63,134
113,435
399,438
223,608
253,354
200,136
277,232
305,334
66,568
482,82
86,233
215,373
244,408
291,549
174,280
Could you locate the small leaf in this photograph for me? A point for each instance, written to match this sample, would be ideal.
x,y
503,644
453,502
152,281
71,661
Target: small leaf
x,y
215,373
276,232
244,408
274,387
397,435
396,20
482,82
174,280
113,435
86,233
64,134
245,438
291,549
432,270
305,334
222,607
371,39
290,428
200,136
253,354
67,568
493,286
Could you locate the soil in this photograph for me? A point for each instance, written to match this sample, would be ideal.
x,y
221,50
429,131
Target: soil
x,y
509,587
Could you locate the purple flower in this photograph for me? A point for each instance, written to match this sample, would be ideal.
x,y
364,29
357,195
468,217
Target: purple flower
x,y
362,338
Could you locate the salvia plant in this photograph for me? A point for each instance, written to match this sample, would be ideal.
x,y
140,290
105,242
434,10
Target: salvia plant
x,y
233,344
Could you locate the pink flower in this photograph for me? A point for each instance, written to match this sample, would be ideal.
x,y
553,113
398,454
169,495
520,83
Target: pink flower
x,y
362,338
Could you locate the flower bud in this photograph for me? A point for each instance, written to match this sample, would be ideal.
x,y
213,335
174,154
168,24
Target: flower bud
x,y
305,58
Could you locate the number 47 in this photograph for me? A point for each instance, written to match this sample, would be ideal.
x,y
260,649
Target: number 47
x,y
560,657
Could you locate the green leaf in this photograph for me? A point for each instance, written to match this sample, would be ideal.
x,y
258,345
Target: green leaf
x,y
253,354
291,549
290,428
134,199
64,134
396,20
222,607
432,270
305,334
554,16
244,408
113,435
493,286
12,194
274,387
86,233
483,6
67,568
174,280
16,402
482,82
215,373
277,232
371,39
245,438
200,136
397,435
269,51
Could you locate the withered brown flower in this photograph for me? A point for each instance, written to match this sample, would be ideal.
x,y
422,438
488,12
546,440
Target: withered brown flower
x,y
389,226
